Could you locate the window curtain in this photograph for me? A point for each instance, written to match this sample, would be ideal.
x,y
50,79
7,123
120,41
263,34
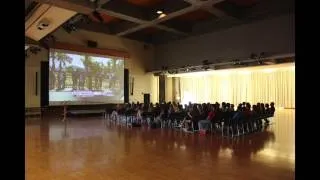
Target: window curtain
x,y
235,86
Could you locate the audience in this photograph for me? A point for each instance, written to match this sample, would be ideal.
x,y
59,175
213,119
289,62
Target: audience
x,y
193,117
205,124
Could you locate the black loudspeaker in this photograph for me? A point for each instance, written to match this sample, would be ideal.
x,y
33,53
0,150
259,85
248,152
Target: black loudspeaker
x,y
126,86
146,98
162,88
44,73
92,44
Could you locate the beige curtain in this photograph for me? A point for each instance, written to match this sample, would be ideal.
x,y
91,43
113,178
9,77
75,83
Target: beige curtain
x,y
271,84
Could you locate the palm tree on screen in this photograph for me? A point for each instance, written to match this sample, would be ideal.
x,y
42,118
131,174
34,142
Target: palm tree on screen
x,y
87,62
62,59
52,70
114,64
70,70
95,71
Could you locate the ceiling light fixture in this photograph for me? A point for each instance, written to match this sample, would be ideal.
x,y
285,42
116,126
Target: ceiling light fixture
x,y
159,12
162,15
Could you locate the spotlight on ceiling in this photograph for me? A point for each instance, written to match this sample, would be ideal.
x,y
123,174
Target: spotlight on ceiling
x,y
236,62
162,15
159,12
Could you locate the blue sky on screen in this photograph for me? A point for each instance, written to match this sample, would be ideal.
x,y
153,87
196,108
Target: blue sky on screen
x,y
77,62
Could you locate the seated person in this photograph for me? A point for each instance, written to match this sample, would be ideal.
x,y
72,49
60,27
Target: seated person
x,y
159,117
231,108
247,111
228,107
272,109
255,111
205,124
262,109
115,112
192,117
224,107
139,114
267,109
238,115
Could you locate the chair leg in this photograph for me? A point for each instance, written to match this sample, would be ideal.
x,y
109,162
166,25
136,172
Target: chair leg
x,y
232,129
238,130
228,132
222,131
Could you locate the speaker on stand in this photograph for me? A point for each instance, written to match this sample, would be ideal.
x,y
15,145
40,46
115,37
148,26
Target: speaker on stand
x,y
146,99
126,86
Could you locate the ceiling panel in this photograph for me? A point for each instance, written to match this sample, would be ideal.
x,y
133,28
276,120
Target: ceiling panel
x,y
145,3
54,15
197,15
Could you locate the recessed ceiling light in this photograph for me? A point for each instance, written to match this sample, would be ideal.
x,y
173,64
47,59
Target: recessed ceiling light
x,y
162,15
159,12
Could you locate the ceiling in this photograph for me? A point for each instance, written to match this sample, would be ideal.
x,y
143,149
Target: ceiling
x,y
139,19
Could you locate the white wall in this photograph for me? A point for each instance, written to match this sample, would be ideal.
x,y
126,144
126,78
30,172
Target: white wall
x,y
31,67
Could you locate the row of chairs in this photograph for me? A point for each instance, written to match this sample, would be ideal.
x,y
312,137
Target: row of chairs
x,y
222,123
232,127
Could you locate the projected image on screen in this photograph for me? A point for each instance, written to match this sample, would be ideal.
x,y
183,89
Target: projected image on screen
x,y
84,79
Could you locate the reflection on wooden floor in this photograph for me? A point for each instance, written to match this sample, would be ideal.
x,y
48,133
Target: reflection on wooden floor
x,y
91,149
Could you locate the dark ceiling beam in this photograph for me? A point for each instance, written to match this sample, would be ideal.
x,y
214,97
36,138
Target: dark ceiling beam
x,y
101,2
172,15
165,28
215,11
122,16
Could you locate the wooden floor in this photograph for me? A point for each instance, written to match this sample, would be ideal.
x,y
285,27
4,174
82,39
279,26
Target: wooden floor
x,y
88,149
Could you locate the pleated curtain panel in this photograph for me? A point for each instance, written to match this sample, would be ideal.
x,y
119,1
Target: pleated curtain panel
x,y
264,85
